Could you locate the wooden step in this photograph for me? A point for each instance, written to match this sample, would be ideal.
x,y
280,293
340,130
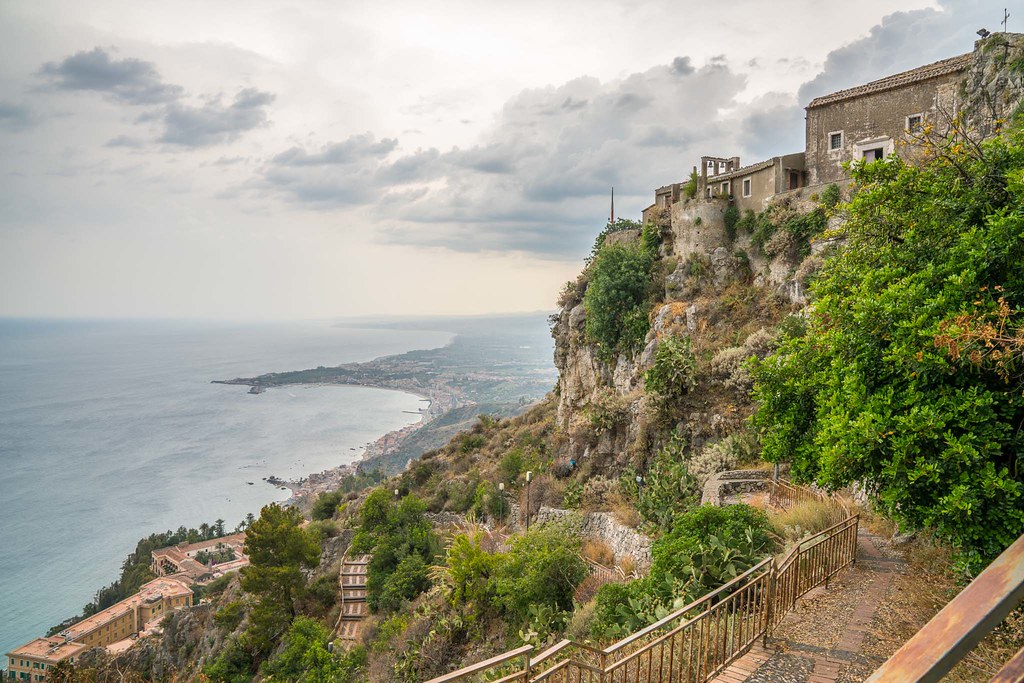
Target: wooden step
x,y
353,594
349,629
355,610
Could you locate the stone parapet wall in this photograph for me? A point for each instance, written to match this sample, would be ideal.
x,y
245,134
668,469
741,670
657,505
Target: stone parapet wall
x,y
623,540
734,481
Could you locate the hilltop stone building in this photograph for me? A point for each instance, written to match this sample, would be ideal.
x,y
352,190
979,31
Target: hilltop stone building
x,y
872,121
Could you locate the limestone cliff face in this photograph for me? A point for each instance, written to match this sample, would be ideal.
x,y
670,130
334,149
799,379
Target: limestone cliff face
x,y
701,261
993,87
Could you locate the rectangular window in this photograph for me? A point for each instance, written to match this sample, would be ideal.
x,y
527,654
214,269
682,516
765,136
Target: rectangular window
x,y
725,187
915,123
835,141
746,187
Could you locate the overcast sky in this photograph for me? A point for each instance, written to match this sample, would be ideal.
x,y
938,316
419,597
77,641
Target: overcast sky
x,y
264,159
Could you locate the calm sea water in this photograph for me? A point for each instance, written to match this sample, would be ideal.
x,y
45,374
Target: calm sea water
x,y
110,431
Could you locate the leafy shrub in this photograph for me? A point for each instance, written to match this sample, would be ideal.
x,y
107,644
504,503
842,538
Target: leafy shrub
x,y
869,393
620,225
541,567
730,364
668,490
306,659
470,574
326,504
607,410
690,186
512,464
544,623
731,218
748,223
402,543
618,298
831,196
471,442
674,372
706,548
573,496
409,579
230,615
721,456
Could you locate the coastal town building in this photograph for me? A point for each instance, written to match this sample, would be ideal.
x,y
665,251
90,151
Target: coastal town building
x,y
201,562
113,628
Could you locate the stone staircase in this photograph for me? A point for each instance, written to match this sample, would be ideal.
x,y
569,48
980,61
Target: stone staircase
x,y
354,609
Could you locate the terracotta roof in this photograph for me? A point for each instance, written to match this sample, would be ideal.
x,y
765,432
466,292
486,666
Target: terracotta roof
x,y
921,73
158,588
743,170
52,649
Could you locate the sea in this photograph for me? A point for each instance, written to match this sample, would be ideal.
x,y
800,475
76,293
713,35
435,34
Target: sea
x,y
111,431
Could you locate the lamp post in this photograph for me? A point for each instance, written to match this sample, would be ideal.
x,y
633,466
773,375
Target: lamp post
x,y
501,503
529,478
396,494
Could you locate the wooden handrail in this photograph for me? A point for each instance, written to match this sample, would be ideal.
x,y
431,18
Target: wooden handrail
x,y
486,664
962,623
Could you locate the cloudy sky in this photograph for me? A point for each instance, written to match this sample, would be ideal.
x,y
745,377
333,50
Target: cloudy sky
x,y
276,159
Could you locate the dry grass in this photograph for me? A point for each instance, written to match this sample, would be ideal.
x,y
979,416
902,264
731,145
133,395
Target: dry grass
x,y
918,593
628,566
598,551
625,513
587,590
805,518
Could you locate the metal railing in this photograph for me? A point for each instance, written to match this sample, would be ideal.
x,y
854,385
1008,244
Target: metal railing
x,y
699,640
784,494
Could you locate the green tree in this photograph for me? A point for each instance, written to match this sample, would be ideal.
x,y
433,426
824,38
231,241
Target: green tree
x,y
402,544
541,567
620,293
278,549
876,389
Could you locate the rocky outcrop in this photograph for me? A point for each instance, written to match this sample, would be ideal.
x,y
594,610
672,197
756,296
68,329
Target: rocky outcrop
x,y
993,86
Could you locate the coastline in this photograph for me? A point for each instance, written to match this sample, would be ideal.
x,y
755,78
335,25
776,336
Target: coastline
x,y
497,368
305,490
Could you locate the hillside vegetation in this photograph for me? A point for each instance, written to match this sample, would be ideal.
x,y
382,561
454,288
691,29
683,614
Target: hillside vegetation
x,y
887,354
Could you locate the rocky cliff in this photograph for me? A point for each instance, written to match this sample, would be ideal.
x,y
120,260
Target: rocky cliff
x,y
721,284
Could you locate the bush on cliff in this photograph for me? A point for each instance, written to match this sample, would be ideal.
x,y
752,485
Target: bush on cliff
x,y
897,381
540,570
403,545
618,298
705,549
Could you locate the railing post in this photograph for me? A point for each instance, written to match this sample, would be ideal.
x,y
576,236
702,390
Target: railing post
x,y
770,600
526,666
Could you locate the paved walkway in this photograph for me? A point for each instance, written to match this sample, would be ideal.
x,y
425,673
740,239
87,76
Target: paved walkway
x,y
821,641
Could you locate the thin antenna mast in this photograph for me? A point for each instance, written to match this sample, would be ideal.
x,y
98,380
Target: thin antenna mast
x,y
1006,16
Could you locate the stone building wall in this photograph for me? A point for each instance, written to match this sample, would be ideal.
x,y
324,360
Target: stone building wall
x,y
872,120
